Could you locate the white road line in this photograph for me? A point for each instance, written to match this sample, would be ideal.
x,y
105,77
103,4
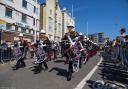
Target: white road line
x,y
83,82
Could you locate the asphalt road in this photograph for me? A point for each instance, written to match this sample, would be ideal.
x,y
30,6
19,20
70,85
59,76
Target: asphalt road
x,y
53,78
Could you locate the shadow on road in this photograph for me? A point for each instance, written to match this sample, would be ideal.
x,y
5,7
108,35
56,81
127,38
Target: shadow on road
x,y
60,71
109,71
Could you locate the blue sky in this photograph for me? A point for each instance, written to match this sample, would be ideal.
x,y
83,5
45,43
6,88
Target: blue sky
x,y
106,16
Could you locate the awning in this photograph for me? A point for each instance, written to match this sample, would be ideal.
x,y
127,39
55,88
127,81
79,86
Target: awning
x,y
2,22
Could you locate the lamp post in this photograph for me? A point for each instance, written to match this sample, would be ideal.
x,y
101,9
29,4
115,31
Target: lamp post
x,y
87,28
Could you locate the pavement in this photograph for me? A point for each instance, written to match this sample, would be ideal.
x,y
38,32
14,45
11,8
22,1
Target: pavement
x,y
55,76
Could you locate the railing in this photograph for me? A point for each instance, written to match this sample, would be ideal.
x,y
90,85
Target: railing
x,y
119,54
5,54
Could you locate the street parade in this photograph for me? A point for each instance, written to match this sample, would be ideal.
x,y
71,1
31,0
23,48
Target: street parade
x,y
63,44
75,47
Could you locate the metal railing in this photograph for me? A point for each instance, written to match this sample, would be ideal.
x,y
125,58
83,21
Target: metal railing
x,y
119,55
5,54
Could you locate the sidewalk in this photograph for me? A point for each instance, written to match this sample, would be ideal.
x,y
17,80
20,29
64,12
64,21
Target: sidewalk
x,y
109,72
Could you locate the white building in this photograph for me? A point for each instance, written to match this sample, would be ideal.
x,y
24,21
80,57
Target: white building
x,y
51,19
21,16
54,20
67,18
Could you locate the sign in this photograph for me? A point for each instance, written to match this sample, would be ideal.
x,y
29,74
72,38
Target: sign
x,y
26,26
2,24
19,24
22,25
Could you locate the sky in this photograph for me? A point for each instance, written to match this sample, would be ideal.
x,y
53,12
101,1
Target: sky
x,y
106,16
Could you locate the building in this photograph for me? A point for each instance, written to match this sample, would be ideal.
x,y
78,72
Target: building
x,y
54,20
97,37
51,19
47,17
21,16
66,19
58,24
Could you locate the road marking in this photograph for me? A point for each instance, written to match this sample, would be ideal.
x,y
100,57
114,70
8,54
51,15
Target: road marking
x,y
83,82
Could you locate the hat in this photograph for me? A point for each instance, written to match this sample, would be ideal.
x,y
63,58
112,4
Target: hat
x,y
85,37
76,38
80,33
126,37
70,25
123,30
42,31
21,35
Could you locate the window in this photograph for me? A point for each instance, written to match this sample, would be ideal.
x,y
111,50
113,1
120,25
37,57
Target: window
x,y
10,0
16,29
23,30
50,23
27,31
34,9
8,26
33,21
36,23
24,18
31,32
8,12
59,26
50,12
24,3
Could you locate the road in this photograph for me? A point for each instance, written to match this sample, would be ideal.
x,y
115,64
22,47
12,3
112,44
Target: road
x,y
53,78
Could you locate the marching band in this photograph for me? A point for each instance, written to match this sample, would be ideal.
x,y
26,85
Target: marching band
x,y
21,47
75,47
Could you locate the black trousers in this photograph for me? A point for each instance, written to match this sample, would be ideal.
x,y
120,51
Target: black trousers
x,y
70,69
20,63
80,62
44,63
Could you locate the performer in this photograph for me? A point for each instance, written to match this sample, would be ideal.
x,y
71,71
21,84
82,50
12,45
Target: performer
x,y
22,44
72,35
81,44
44,43
55,49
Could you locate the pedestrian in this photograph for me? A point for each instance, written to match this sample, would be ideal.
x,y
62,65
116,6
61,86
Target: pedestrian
x,y
122,35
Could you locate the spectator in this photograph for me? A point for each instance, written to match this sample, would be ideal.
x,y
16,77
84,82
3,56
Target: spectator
x,y
122,35
4,45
